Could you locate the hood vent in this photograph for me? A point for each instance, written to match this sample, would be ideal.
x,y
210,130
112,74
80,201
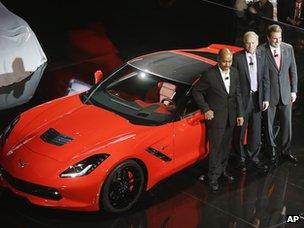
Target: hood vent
x,y
54,137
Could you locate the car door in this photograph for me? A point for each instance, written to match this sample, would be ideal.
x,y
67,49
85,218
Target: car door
x,y
158,152
190,142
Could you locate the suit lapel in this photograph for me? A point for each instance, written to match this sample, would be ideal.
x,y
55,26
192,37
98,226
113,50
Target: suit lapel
x,y
283,54
232,84
258,59
245,65
219,78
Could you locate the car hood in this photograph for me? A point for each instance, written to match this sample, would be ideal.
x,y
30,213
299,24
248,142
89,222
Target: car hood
x,y
90,128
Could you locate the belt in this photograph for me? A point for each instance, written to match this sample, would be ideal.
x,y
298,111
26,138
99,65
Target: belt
x,y
253,92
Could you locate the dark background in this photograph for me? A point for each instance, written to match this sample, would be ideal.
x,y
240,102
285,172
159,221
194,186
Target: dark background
x,y
135,27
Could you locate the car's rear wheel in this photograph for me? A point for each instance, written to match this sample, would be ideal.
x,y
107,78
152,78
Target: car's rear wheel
x,y
123,187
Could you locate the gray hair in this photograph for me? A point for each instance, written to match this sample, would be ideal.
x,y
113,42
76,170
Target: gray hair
x,y
273,28
250,33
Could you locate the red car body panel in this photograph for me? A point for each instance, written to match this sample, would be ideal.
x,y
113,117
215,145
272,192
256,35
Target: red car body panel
x,y
27,157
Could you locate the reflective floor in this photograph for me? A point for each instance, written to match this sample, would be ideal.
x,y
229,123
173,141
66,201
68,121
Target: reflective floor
x,y
256,199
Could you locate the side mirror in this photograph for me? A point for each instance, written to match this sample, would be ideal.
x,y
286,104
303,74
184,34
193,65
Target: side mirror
x,y
196,118
98,76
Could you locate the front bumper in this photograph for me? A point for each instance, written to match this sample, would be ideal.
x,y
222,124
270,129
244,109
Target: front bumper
x,y
30,188
39,182
76,196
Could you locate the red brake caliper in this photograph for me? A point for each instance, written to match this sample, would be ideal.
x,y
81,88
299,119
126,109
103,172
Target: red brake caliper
x,y
131,181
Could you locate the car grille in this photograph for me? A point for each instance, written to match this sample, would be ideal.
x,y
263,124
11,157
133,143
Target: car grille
x,y
54,137
30,188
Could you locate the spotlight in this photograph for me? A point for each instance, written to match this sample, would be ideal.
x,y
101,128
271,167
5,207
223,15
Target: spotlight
x,y
142,75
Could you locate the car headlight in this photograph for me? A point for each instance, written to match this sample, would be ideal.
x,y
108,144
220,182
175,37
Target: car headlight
x,y
85,166
8,129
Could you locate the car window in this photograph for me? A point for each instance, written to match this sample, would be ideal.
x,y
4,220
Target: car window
x,y
140,96
190,107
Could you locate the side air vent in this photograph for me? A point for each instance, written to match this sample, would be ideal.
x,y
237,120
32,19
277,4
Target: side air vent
x,y
158,154
54,137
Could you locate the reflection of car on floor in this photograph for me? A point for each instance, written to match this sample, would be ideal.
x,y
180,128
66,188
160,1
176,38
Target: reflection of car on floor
x,y
102,148
20,51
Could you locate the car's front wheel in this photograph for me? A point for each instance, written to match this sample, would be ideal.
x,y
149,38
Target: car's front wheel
x,y
123,187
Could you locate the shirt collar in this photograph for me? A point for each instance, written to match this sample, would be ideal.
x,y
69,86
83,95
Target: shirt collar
x,y
252,54
278,49
248,55
224,72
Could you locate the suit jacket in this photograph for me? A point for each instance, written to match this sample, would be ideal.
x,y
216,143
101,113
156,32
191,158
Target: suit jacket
x,y
283,81
210,93
240,63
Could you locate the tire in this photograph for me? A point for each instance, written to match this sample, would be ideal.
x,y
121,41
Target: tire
x,y
123,187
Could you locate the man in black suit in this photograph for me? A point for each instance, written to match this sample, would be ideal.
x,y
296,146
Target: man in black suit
x,y
281,65
218,95
254,84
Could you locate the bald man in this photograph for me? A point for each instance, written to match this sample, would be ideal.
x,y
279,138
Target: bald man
x,y
255,89
218,95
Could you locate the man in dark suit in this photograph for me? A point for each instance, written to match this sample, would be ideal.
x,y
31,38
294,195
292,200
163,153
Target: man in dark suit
x,y
281,65
254,84
291,11
218,95
282,10
296,12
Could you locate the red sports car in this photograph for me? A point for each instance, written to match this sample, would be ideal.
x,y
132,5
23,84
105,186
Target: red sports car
x,y
102,148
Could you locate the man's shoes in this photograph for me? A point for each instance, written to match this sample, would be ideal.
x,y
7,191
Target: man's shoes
x,y
290,158
242,167
259,165
228,176
214,185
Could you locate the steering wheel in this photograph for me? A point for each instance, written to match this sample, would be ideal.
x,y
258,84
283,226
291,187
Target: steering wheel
x,y
113,92
171,102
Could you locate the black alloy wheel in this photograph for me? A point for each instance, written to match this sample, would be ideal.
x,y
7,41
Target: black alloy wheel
x,y
123,187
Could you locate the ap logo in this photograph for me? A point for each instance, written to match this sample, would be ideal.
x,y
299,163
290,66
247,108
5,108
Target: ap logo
x,y
293,218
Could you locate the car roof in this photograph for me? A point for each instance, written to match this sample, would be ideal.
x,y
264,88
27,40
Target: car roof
x,y
183,66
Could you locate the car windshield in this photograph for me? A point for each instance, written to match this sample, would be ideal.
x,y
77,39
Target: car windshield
x,y
139,96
